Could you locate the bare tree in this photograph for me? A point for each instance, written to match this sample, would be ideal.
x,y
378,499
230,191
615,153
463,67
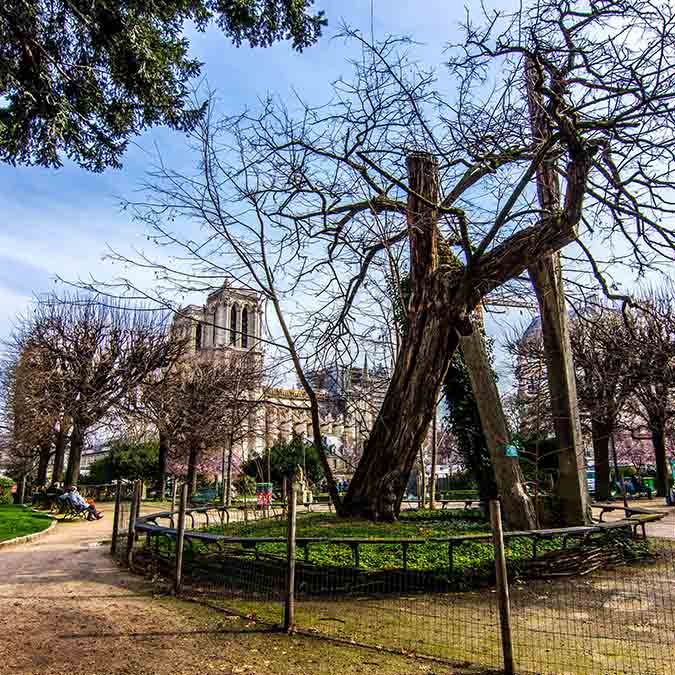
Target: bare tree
x,y
603,354
652,330
204,404
309,203
241,407
35,408
604,360
101,352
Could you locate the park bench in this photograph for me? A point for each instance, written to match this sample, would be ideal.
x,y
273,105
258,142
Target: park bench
x,y
71,512
634,515
468,503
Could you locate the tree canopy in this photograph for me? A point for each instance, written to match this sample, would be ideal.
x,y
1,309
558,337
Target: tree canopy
x,y
285,457
78,78
126,459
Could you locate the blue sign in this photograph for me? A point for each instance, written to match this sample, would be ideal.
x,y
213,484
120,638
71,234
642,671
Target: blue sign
x,y
511,451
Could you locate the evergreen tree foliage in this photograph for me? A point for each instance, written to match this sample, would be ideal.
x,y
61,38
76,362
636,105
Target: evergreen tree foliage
x,y
79,77
127,460
284,458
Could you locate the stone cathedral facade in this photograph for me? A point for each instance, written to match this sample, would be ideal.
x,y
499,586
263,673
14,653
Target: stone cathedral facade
x,y
350,398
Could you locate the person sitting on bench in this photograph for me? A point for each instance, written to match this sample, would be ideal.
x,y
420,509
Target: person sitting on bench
x,y
76,499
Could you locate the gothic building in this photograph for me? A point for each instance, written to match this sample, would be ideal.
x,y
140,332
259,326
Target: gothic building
x,y
350,398
231,318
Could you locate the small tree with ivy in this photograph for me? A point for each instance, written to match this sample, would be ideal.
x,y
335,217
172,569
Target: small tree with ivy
x,y
463,421
281,462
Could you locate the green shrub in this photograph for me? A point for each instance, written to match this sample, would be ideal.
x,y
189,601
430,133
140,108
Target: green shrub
x,y
6,485
125,460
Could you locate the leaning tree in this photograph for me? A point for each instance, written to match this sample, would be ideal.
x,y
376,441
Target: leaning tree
x,y
318,194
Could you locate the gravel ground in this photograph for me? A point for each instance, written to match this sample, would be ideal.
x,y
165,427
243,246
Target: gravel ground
x,y
65,607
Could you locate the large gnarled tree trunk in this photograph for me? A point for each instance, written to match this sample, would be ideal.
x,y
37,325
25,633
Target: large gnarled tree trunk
x,y
378,485
433,332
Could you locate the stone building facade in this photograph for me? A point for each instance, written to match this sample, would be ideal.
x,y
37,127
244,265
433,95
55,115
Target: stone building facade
x,y
350,398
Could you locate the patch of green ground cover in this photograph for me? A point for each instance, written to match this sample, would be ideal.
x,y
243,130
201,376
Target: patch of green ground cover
x,y
411,525
475,557
17,521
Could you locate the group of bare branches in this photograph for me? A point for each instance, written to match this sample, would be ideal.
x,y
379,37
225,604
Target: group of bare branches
x,y
80,366
406,169
314,205
624,360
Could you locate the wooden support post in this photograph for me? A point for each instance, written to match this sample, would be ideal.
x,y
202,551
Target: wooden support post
x,y
518,507
180,538
131,532
116,518
502,585
137,503
289,609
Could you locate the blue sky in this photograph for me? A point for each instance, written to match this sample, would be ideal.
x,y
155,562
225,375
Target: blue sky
x,y
59,222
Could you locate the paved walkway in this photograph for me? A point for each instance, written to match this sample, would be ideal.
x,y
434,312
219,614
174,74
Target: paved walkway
x,y
66,608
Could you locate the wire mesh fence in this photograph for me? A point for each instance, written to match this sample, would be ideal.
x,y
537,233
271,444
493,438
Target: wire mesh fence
x,y
618,618
593,600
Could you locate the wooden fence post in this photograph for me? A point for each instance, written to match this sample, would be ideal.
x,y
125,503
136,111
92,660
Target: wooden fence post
x,y
137,502
116,518
502,585
174,491
131,532
180,538
289,609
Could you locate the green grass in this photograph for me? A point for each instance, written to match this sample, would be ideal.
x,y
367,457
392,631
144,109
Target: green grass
x,y
474,557
17,521
411,525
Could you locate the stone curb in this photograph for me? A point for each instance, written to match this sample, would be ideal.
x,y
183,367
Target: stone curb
x,y
28,538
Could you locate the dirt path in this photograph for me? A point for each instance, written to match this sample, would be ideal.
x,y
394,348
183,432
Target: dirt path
x,y
65,607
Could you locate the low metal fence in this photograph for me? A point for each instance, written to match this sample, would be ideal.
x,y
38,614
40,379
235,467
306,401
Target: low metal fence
x,y
592,600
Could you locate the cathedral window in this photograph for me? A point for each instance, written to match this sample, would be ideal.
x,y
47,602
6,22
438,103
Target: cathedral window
x,y
233,325
244,328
